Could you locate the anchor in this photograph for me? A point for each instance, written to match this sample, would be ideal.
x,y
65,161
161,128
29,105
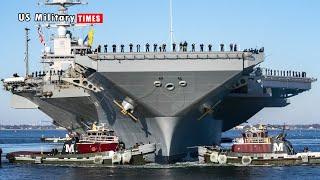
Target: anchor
x,y
125,112
209,110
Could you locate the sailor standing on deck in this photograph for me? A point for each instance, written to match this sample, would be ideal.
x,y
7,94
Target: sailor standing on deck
x,y
105,48
155,47
185,46
164,47
210,47
99,49
221,47
114,48
131,47
201,47
181,46
231,47
235,48
174,47
147,47
122,48
193,47
138,47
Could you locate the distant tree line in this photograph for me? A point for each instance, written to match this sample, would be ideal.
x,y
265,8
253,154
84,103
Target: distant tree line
x,y
24,127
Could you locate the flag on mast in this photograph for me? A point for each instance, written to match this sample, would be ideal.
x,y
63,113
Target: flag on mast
x,y
41,37
89,38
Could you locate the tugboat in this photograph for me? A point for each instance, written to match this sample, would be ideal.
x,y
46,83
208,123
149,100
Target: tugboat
x,y
98,139
256,140
99,145
256,147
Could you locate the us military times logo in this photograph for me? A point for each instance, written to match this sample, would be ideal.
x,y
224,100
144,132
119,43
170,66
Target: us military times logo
x,y
81,18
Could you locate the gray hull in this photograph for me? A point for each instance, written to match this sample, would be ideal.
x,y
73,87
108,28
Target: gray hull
x,y
72,113
169,119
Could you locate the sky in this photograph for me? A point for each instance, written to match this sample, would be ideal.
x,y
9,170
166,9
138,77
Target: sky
x,y
288,29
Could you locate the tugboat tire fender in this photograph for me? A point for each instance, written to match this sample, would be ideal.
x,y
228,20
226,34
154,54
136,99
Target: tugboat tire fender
x,y
214,157
222,159
98,160
246,160
126,157
116,158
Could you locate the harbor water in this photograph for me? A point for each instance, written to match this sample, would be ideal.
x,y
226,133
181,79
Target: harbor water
x,y
11,140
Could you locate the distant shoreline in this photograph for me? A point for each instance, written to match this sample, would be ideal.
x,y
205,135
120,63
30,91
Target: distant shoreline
x,y
240,127
30,127
285,126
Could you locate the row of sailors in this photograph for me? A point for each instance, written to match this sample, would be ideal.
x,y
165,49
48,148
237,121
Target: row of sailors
x,y
43,73
163,48
270,72
255,51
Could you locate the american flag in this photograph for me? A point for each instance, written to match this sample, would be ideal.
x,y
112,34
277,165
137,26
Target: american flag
x,y
41,37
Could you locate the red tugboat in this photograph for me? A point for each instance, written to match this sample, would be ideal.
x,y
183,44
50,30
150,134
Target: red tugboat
x,y
98,139
98,146
256,147
253,140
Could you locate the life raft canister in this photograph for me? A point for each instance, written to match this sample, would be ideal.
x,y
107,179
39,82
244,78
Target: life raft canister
x,y
246,160
93,149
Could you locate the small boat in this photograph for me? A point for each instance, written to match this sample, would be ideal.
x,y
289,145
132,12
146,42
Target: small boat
x,y
54,139
256,147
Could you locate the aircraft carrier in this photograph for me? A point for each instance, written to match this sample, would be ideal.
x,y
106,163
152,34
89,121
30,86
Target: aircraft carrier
x,y
179,98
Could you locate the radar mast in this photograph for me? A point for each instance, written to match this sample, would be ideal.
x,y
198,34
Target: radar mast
x,y
62,41
26,59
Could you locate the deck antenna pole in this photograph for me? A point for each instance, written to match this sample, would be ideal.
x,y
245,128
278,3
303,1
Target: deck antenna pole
x,y
171,24
26,58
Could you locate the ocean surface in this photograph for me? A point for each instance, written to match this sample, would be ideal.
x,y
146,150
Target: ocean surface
x,y
11,140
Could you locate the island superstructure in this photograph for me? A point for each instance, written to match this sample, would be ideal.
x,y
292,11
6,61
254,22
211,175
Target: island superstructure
x,y
177,98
